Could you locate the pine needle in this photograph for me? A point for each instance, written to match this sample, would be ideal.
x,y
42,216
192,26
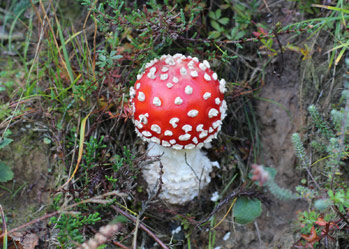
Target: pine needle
x,y
226,214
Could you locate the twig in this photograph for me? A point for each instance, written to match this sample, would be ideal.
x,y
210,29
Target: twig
x,y
141,225
267,6
134,242
186,162
340,214
120,245
4,227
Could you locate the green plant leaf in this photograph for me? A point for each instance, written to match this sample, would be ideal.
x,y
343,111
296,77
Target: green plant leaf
x,y
119,218
212,15
215,25
214,35
223,20
116,57
269,43
6,173
218,13
247,210
5,141
239,35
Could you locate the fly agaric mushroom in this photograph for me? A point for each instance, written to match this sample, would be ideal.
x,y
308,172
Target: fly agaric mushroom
x,y
178,106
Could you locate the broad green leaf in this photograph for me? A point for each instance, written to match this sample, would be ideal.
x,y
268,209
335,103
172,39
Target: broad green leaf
x,y
214,35
233,31
212,15
6,173
218,13
270,43
102,57
239,35
330,193
247,210
216,26
117,57
47,140
223,20
5,141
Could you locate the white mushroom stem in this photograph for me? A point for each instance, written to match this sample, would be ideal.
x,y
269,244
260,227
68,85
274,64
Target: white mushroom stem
x,y
184,173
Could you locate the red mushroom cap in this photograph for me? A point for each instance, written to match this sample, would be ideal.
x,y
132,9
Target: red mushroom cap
x,y
178,102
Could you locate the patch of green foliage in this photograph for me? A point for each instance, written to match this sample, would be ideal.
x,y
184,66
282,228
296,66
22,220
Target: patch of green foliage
x,y
69,227
92,152
6,174
233,27
247,210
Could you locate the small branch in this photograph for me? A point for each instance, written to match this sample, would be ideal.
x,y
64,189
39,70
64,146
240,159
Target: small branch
x,y
4,227
186,162
340,214
120,245
141,225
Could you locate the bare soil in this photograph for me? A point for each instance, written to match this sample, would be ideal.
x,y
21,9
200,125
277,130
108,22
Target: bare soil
x,y
28,194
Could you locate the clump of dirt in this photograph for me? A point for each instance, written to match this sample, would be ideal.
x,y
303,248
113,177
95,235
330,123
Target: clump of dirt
x,y
25,197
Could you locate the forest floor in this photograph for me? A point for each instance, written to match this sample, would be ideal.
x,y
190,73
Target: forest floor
x,y
62,188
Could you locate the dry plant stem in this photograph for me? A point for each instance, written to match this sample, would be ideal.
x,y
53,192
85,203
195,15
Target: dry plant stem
x,y
151,234
312,178
52,32
219,206
258,233
120,245
134,242
328,98
36,12
4,227
340,214
267,6
94,40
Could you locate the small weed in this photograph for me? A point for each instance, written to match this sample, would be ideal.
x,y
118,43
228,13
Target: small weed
x,y
6,174
241,20
69,227
93,152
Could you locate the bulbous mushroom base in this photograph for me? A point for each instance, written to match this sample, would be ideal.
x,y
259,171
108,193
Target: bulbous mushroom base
x,y
184,173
